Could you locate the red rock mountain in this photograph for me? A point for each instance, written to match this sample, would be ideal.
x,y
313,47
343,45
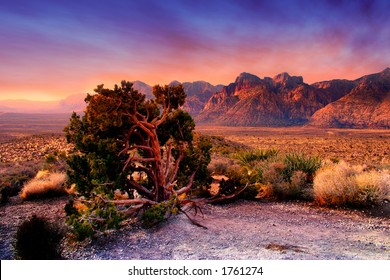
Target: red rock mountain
x,y
251,101
366,105
283,100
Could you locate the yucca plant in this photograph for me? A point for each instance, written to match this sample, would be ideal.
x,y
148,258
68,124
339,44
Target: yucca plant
x,y
250,157
300,161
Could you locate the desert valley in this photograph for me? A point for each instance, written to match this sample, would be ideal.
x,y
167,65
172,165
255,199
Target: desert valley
x,y
256,127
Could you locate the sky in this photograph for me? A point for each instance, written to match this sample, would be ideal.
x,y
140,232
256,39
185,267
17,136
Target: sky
x,y
52,49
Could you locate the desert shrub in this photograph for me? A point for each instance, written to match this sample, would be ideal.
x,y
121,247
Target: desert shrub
x,y
353,186
250,193
239,177
281,176
300,161
44,184
55,162
222,146
127,142
288,176
246,157
234,186
91,216
157,213
373,187
36,239
5,194
220,165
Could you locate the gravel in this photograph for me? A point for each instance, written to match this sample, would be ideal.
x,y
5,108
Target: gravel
x,y
241,230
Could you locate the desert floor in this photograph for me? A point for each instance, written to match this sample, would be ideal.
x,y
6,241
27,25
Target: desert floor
x,y
241,230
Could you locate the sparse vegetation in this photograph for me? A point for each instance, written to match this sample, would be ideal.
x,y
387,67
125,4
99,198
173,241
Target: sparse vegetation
x,y
270,174
343,184
36,239
13,176
44,184
275,177
250,157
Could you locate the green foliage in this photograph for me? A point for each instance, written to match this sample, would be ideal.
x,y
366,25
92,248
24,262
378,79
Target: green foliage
x,y
55,162
157,213
299,161
127,142
169,96
36,239
285,176
178,126
96,215
98,136
222,146
246,157
197,157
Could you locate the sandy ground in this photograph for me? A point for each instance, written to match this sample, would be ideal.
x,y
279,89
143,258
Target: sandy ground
x,y
241,230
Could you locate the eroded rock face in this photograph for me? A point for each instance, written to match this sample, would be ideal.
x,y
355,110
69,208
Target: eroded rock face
x,y
367,105
198,93
286,100
282,100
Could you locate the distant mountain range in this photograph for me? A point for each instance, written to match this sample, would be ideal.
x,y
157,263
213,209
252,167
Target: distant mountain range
x,y
198,93
283,100
366,105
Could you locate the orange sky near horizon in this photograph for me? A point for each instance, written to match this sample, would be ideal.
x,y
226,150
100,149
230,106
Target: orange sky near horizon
x,y
53,50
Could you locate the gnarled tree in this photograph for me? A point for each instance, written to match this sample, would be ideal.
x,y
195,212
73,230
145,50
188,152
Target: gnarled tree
x,y
145,148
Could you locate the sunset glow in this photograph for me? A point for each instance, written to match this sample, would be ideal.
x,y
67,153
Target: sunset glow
x,y
53,49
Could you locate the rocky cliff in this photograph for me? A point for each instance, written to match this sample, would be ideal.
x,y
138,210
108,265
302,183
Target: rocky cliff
x,y
367,105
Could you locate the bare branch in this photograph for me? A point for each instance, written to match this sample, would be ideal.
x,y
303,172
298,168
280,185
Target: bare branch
x,y
188,186
176,167
139,159
192,220
140,188
127,140
217,198
142,147
168,161
130,201
164,115
143,118
132,211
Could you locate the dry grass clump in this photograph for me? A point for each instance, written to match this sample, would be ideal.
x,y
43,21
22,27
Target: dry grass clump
x,y
44,184
345,185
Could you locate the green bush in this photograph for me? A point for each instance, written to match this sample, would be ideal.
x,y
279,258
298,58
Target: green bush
x,y
246,157
239,179
36,239
157,213
286,176
300,161
55,162
95,215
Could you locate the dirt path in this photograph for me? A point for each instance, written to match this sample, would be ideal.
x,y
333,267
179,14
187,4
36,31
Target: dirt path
x,y
243,230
